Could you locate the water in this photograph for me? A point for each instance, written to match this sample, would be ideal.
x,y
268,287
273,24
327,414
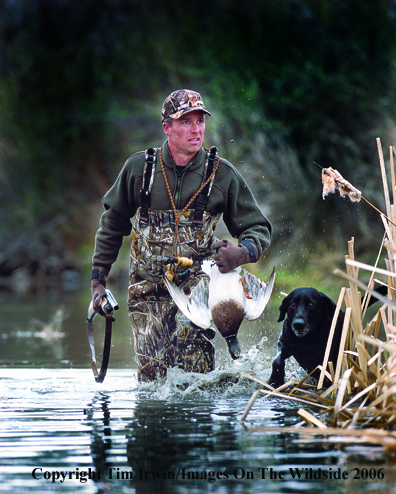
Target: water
x,y
58,427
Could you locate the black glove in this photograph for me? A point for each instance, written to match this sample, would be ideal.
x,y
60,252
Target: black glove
x,y
98,283
229,256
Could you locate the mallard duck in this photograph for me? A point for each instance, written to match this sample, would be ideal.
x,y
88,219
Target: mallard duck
x,y
232,297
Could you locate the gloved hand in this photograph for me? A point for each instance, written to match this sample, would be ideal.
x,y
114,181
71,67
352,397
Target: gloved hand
x,y
229,256
97,286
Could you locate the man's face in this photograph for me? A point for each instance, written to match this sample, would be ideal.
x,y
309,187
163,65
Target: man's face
x,y
186,135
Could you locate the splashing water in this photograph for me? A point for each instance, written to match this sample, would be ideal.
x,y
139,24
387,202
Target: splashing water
x,y
226,381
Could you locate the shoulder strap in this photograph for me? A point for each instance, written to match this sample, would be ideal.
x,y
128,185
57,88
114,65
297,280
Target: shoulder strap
x,y
202,198
148,179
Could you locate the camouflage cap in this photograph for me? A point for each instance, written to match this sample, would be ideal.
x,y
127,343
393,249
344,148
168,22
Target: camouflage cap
x,y
180,102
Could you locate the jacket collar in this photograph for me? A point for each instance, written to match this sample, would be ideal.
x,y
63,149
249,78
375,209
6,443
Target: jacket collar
x,y
169,162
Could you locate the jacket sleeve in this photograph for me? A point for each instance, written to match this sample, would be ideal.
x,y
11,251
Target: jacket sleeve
x,y
115,222
108,240
243,217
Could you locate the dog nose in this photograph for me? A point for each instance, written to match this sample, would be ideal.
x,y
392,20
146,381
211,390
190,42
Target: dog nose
x,y
298,326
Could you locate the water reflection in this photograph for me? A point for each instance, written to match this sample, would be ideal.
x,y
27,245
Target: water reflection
x,y
193,444
101,444
199,447
158,438
164,442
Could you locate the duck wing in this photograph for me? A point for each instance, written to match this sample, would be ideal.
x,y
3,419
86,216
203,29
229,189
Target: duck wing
x,y
260,293
194,306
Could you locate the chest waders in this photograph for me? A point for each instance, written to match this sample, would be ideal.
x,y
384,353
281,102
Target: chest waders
x,y
163,336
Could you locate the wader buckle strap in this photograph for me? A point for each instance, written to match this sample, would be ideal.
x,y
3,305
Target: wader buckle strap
x,y
148,178
109,304
202,198
99,376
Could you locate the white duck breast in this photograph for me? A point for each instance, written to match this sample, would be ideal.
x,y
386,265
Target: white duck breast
x,y
227,301
232,297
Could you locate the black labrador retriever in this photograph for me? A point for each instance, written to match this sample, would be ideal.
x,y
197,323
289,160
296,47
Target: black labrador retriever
x,y
305,332
306,329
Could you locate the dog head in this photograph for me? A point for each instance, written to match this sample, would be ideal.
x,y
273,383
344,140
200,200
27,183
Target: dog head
x,y
306,310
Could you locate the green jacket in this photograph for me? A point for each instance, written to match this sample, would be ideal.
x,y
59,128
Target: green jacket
x,y
230,196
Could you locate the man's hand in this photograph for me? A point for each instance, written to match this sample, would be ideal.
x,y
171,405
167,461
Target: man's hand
x,y
98,283
229,256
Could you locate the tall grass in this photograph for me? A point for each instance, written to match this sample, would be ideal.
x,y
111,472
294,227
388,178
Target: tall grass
x,y
362,395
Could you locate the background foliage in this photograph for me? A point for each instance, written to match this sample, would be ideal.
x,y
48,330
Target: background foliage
x,y
289,82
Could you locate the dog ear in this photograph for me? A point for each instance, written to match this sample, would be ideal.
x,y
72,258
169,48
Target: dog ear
x,y
328,304
283,308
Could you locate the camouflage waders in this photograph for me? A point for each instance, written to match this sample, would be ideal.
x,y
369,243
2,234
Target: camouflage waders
x,y
163,336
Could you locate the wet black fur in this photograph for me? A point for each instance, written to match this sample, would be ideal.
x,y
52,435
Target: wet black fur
x,y
305,309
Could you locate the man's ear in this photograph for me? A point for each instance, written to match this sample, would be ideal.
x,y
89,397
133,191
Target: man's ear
x,y
167,127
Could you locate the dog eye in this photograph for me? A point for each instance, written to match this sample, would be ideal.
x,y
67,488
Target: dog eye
x,y
311,304
293,305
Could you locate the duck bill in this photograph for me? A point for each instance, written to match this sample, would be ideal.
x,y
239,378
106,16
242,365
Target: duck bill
x,y
233,346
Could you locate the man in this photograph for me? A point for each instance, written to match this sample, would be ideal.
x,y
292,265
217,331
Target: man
x,y
176,195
